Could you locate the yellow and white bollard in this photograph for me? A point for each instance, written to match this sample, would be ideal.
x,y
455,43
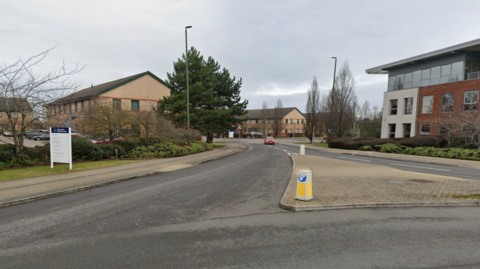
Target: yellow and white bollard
x,y
302,150
304,185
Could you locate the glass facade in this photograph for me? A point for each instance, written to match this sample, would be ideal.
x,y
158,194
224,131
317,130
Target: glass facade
x,y
470,100
426,77
427,104
447,102
408,105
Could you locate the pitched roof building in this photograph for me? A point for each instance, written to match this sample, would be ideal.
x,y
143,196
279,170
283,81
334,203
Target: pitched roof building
x,y
291,121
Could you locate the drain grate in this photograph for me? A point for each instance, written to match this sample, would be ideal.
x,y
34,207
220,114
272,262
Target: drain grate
x,y
422,180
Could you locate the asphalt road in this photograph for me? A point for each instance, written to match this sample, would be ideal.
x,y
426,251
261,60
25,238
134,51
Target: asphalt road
x,y
225,214
435,169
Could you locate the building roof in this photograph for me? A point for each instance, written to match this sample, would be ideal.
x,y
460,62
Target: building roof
x,y
12,104
89,92
473,45
257,113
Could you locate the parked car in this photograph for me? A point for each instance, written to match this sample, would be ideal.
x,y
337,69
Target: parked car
x,y
41,136
75,132
101,139
7,133
269,141
32,132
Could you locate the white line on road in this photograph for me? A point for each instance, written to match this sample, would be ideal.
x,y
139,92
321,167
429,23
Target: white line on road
x,y
354,159
421,167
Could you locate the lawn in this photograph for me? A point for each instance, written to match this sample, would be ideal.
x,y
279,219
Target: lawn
x,y
38,171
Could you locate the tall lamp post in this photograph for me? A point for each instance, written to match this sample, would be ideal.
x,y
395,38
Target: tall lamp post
x,y
333,100
188,95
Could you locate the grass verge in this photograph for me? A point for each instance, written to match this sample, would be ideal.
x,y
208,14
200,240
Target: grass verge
x,y
38,171
219,144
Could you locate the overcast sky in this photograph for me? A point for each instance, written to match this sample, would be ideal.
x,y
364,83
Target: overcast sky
x,y
276,46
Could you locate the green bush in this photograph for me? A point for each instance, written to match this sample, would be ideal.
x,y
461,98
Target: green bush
x,y
109,150
366,148
82,149
424,141
167,149
389,148
355,144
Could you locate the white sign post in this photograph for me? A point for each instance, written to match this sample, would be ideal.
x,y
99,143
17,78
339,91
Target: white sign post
x,y
61,145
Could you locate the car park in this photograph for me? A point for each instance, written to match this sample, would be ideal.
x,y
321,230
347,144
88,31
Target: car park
x,y
269,140
7,133
32,132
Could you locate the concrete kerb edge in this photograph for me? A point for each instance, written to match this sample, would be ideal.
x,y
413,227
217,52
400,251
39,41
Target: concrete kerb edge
x,y
59,193
386,157
230,154
283,204
382,205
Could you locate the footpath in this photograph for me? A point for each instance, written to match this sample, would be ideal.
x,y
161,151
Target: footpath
x,y
31,189
341,184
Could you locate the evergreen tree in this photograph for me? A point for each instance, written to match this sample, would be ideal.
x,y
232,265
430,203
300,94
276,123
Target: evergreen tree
x,y
215,102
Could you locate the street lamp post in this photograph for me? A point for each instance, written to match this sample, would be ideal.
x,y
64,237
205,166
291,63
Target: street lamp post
x,y
333,100
188,95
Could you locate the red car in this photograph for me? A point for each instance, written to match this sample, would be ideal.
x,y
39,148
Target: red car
x,y
269,141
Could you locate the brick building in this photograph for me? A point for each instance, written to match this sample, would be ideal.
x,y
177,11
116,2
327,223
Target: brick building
x,y
424,92
291,119
140,92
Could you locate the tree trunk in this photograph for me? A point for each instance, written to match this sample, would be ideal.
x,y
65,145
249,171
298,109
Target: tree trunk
x,y
209,138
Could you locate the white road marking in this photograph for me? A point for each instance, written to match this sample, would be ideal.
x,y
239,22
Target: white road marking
x,y
421,167
354,159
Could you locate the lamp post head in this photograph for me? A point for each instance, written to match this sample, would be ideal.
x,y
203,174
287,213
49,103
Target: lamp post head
x,y
334,58
188,27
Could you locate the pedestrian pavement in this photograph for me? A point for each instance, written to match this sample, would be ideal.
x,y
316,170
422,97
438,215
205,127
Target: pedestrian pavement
x,y
339,184
31,189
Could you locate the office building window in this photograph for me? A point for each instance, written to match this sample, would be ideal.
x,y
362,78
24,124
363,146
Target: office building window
x,y
393,107
425,129
76,106
470,100
251,121
117,104
445,129
286,121
83,105
391,130
301,131
291,121
447,102
298,121
407,128
135,105
286,131
302,121
269,131
408,105
427,104
290,130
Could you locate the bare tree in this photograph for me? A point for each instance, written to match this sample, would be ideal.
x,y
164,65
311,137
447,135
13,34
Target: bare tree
x,y
277,118
312,108
459,124
376,113
105,117
147,118
365,112
342,101
25,95
264,118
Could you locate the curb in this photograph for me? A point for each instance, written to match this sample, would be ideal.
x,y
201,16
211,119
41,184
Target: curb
x,y
287,206
290,186
97,185
359,153
59,193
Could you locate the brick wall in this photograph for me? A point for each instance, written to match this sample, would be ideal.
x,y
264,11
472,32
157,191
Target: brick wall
x,y
457,88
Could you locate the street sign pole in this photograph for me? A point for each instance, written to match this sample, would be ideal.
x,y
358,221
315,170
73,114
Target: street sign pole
x,y
239,128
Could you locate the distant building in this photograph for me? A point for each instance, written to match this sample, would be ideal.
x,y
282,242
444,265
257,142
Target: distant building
x,y
14,107
140,92
291,119
423,90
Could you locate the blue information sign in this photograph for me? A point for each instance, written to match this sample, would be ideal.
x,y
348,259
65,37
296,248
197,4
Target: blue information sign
x,y
60,130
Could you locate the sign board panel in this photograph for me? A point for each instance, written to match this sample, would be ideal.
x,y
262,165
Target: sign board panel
x,y
60,145
239,127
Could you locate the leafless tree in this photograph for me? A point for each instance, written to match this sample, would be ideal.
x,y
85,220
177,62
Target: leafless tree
x,y
342,101
264,118
313,109
277,118
25,95
376,113
103,117
459,124
365,112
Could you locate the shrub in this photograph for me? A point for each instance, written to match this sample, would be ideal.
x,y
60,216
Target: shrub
x,y
82,149
389,148
366,148
355,144
109,150
424,141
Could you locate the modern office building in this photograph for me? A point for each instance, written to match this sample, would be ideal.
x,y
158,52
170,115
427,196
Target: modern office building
x,y
424,91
